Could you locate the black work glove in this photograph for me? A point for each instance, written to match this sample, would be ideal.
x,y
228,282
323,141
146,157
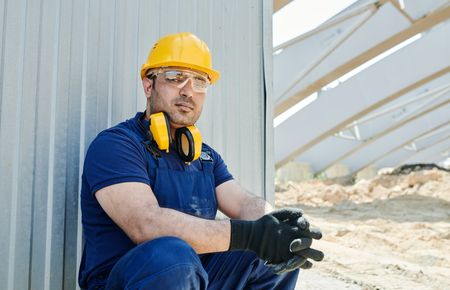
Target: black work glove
x,y
299,247
268,237
292,216
302,254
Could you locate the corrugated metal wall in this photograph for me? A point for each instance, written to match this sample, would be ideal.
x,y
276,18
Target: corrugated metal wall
x,y
69,69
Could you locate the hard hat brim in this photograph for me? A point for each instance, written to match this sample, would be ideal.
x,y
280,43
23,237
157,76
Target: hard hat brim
x,y
213,74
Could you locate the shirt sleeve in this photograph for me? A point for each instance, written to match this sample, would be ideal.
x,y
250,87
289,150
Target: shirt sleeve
x,y
221,173
113,157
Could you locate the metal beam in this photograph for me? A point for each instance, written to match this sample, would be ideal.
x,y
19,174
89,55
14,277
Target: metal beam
x,y
330,23
432,94
336,43
373,162
278,4
334,146
427,154
394,157
376,137
417,27
338,127
403,12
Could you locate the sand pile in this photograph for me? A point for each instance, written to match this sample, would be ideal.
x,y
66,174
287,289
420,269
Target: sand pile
x,y
390,232
430,183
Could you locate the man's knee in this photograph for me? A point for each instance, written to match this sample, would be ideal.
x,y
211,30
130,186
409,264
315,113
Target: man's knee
x,y
151,261
165,252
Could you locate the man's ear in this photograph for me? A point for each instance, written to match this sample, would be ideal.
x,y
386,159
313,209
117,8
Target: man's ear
x,y
147,85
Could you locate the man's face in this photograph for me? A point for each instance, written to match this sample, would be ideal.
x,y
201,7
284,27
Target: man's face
x,y
183,104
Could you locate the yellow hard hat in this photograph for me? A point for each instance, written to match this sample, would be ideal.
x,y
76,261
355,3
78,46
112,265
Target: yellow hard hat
x,y
181,49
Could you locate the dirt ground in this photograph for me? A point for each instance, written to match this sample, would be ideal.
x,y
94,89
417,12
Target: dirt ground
x,y
390,232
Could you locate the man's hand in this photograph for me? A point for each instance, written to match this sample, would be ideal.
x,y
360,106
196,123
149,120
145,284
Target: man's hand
x,y
292,216
268,237
300,247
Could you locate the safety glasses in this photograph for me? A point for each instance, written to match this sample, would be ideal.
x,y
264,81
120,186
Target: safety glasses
x,y
179,77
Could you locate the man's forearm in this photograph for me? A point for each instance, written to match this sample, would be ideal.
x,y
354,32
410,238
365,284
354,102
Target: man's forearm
x,y
254,207
204,236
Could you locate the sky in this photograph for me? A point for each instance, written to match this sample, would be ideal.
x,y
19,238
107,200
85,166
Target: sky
x,y
301,16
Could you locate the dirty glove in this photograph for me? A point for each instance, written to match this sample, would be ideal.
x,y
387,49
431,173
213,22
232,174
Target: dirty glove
x,y
268,237
300,258
295,218
300,247
292,216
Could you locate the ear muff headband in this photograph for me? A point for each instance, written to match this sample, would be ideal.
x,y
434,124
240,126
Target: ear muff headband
x,y
160,129
189,143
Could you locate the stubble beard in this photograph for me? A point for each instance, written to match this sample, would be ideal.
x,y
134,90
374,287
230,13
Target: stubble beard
x,y
177,117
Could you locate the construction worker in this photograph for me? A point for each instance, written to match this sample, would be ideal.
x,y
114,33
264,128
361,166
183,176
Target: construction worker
x,y
151,190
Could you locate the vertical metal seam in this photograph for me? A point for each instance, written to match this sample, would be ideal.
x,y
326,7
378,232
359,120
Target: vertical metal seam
x,y
136,87
51,150
38,77
15,165
111,63
264,107
68,148
98,68
2,57
82,127
267,12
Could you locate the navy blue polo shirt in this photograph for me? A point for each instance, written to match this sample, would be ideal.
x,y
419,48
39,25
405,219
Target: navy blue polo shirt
x,y
117,155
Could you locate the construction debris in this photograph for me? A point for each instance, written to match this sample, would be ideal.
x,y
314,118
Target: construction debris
x,y
388,232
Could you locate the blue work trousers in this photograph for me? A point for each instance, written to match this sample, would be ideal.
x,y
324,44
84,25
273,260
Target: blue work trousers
x,y
170,263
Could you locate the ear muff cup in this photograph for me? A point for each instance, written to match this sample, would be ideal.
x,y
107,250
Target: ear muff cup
x,y
188,140
160,130
188,143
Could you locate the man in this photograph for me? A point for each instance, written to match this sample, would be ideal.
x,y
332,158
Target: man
x,y
149,204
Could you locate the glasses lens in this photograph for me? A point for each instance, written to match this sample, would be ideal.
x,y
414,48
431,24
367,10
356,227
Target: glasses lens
x,y
200,82
177,77
174,76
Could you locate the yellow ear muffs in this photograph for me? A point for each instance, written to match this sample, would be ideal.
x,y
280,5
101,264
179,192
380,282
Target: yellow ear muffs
x,y
189,143
160,130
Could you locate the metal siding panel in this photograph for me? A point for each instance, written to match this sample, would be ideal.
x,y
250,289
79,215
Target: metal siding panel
x,y
127,72
43,186
73,70
91,69
148,23
25,144
80,70
10,134
253,127
268,104
216,99
168,17
187,11
62,165
102,59
3,10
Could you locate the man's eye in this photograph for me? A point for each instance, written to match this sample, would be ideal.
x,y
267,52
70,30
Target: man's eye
x,y
200,83
176,79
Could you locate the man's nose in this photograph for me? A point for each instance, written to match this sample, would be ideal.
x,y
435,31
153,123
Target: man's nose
x,y
187,89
